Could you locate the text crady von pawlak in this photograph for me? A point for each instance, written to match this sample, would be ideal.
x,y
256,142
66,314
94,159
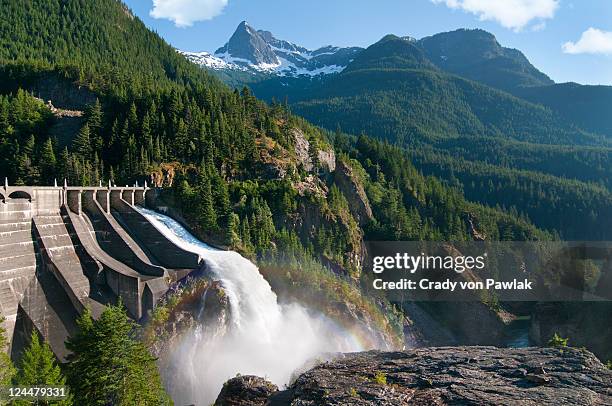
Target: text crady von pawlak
x,y
451,286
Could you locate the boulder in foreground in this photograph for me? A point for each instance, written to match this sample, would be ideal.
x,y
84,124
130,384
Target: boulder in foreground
x,y
451,376
247,390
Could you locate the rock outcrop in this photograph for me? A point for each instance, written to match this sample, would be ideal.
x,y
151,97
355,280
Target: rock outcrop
x,y
246,390
181,312
327,159
304,154
353,190
448,376
302,149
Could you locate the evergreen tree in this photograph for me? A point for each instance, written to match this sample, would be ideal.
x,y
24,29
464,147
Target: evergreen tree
x,y
94,116
82,143
48,161
39,368
221,199
108,365
245,233
231,234
206,210
28,148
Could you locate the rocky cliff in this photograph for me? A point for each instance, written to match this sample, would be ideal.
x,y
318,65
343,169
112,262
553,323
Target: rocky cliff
x,y
439,376
352,187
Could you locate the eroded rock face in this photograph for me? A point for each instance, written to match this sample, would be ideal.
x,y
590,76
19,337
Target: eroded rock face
x,y
354,192
302,149
454,376
327,159
246,390
185,316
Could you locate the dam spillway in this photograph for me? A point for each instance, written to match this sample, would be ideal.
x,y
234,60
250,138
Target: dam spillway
x,y
65,249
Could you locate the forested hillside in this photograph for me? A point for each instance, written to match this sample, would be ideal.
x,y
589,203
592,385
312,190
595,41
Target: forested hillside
x,y
256,178
391,91
575,210
546,161
588,106
101,39
476,54
244,174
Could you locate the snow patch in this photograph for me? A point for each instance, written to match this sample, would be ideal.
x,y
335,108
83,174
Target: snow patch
x,y
284,67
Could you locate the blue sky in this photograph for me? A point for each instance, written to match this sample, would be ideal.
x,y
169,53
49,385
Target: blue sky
x,y
570,40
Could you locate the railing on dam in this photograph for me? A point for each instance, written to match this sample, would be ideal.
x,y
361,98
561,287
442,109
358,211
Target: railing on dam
x,y
44,199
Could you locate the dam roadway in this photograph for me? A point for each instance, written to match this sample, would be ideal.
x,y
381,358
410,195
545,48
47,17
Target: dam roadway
x,y
64,249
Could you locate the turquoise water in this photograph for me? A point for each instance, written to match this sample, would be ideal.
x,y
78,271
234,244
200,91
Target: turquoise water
x,y
517,333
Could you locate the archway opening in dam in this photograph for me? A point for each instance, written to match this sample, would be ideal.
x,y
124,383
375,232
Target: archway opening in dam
x,y
19,194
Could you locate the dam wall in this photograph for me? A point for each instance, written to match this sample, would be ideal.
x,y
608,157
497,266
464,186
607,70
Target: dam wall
x,y
119,278
65,249
19,257
113,238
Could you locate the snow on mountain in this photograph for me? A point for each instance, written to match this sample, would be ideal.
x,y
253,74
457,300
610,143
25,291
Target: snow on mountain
x,y
258,51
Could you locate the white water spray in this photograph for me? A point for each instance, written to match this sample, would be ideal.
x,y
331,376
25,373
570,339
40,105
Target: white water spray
x,y
264,338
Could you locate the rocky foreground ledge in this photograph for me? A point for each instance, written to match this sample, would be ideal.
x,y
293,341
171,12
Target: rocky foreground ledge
x,y
438,376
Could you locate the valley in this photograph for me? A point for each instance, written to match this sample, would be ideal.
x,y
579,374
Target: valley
x,y
475,134
265,169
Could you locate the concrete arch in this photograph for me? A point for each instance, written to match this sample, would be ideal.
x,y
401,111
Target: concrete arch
x,y
20,194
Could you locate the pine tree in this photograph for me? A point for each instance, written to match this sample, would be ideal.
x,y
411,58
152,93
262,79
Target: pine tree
x,y
82,143
94,116
48,161
108,365
207,215
28,148
39,368
221,199
146,133
245,233
133,118
231,234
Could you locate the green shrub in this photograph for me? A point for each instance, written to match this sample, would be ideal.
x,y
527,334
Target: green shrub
x,y
380,378
557,341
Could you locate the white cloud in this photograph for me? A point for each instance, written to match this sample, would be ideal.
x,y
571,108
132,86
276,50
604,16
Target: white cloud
x,y
592,41
513,14
185,12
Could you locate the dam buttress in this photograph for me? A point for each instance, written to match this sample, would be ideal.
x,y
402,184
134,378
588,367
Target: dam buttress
x,y
65,249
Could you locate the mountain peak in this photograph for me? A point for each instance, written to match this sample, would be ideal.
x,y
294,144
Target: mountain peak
x,y
247,46
254,50
476,54
245,26
392,52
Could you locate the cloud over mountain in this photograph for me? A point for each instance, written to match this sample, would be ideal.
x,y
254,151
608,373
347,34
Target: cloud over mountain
x,y
513,14
592,41
185,12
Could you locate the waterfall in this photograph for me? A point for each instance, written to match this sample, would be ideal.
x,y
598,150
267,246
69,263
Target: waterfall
x,y
264,338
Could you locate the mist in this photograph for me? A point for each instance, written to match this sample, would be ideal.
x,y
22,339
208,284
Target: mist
x,y
263,337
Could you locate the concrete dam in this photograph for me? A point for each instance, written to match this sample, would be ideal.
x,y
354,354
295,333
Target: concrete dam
x,y
65,249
